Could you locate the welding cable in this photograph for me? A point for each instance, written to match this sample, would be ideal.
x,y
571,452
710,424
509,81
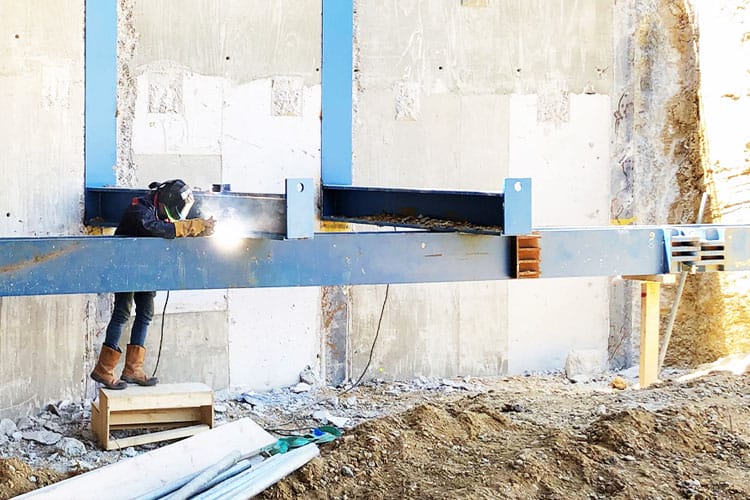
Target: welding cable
x,y
161,337
355,385
372,347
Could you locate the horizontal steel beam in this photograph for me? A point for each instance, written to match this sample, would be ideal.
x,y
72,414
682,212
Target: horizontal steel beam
x,y
253,215
471,212
288,215
41,266
65,265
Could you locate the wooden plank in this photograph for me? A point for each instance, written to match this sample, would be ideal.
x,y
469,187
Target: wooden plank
x,y
207,415
99,422
139,475
667,279
162,426
153,437
158,396
155,416
649,364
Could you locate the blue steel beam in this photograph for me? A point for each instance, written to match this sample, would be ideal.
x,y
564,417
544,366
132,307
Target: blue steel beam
x,y
44,266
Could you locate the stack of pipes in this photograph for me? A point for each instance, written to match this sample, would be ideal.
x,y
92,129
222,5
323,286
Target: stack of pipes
x,y
235,476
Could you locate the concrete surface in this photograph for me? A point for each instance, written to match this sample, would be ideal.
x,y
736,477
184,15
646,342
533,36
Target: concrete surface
x,y
43,340
448,95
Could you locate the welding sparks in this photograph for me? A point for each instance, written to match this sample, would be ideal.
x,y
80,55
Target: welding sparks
x,y
228,234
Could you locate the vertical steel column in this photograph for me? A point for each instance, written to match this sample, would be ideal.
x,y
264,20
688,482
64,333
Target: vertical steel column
x,y
336,164
100,92
336,131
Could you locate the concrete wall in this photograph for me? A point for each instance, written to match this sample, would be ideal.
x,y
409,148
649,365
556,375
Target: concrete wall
x,y
42,339
448,95
459,95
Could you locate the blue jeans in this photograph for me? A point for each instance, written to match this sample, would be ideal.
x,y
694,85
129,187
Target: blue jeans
x,y
144,313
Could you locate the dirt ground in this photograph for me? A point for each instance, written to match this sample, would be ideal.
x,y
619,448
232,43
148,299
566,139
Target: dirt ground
x,y
544,438
511,437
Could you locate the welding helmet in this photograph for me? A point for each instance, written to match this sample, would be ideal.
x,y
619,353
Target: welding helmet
x,y
173,199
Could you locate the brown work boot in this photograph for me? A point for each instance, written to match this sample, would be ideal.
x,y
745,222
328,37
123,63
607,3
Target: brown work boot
x,y
133,371
104,371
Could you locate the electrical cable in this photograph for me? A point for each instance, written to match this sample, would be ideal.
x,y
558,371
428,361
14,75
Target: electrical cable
x,y
281,431
161,337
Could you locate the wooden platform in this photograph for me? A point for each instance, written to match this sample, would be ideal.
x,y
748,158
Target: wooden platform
x,y
180,410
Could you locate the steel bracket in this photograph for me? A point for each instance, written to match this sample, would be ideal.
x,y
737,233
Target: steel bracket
x,y
695,249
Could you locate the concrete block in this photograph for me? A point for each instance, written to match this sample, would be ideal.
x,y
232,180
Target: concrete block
x,y
165,92
583,365
407,100
286,96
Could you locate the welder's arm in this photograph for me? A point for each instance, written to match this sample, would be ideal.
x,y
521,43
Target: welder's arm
x,y
194,227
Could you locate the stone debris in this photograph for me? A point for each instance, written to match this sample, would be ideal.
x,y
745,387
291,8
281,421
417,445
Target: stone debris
x,y
310,376
7,427
71,447
301,387
42,437
584,365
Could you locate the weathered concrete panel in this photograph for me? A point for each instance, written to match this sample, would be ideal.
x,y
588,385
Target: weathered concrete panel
x,y
204,170
194,348
42,343
273,335
242,40
547,319
562,142
508,46
43,340
437,330
41,88
261,147
453,142
565,154
459,95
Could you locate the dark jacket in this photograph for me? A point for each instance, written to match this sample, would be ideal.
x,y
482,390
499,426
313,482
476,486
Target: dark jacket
x,y
141,219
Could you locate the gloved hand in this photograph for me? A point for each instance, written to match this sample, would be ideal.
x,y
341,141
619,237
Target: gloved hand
x,y
194,227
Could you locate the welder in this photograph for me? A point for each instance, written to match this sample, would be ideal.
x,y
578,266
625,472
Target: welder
x,y
162,213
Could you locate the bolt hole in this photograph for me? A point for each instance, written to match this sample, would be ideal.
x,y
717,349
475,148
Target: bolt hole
x,y
518,70
7,214
226,58
300,187
440,68
317,69
17,36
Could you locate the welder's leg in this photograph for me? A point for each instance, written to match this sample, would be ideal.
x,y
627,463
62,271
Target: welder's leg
x,y
144,313
120,316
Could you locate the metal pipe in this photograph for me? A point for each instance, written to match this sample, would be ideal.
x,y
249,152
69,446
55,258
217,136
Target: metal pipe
x,y
264,475
678,295
168,488
201,480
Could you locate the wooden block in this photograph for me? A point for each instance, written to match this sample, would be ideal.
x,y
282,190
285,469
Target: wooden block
x,y
158,396
649,364
183,409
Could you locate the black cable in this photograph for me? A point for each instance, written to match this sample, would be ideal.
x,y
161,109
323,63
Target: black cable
x,y
356,384
372,348
161,338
